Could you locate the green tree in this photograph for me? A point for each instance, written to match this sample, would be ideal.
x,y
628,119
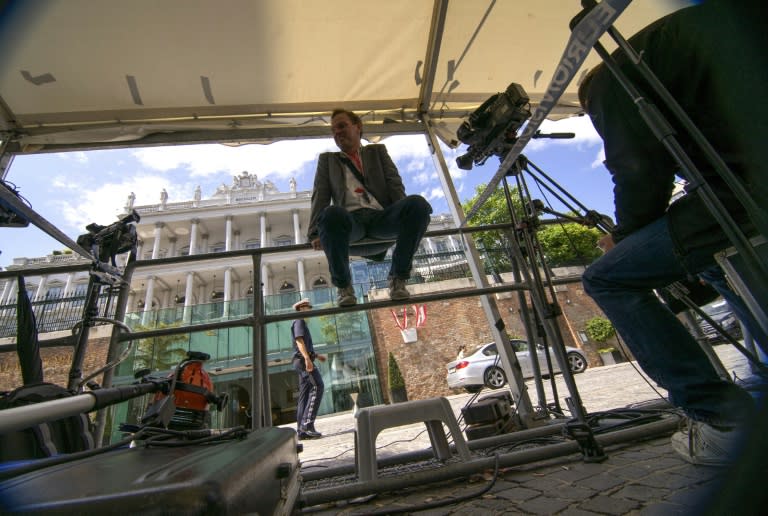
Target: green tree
x,y
160,353
493,244
562,244
569,244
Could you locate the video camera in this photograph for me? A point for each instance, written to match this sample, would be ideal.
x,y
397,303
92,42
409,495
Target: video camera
x,y
105,242
491,129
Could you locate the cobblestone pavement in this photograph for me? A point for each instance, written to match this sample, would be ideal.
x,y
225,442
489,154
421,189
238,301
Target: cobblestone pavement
x,y
639,477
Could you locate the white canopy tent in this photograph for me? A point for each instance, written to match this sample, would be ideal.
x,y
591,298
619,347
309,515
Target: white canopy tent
x,y
80,74
90,74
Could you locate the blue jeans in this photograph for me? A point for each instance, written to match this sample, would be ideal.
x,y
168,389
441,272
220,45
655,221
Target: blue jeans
x,y
406,221
622,282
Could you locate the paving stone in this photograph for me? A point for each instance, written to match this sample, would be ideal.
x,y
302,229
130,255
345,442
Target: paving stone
x,y
602,482
572,511
544,484
664,509
668,480
518,493
639,454
642,493
609,505
579,472
573,492
544,505
635,471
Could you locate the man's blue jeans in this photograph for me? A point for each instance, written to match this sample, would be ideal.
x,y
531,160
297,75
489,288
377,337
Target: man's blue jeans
x,y
406,221
621,282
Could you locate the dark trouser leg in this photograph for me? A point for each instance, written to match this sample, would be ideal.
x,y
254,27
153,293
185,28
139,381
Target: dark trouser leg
x,y
407,221
621,283
314,397
336,229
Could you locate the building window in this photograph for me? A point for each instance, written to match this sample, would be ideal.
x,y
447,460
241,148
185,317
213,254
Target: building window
x,y
54,292
253,243
218,247
283,240
441,246
184,251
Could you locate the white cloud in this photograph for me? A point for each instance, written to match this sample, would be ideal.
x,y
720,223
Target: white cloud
x,y
599,158
280,159
105,202
581,126
79,156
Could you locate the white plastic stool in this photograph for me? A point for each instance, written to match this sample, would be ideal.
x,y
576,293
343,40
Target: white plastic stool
x,y
434,412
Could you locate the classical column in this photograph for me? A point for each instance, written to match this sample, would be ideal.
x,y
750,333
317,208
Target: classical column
x,y
12,291
227,289
40,292
148,300
188,297
296,227
431,245
158,235
228,233
6,289
237,245
68,285
302,280
264,279
139,249
193,236
263,229
204,243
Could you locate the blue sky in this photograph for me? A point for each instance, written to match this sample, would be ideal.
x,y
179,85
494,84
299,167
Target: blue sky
x,y
74,189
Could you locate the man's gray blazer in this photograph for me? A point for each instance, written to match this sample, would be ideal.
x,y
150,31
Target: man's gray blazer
x,y
380,178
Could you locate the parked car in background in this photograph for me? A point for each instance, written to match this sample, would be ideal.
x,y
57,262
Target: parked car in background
x,y
482,368
721,313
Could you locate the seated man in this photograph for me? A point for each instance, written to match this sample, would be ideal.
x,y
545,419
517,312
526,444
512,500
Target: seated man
x,y
709,57
369,201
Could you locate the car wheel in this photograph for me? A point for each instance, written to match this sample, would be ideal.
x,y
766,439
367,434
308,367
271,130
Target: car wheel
x,y
472,389
576,362
494,377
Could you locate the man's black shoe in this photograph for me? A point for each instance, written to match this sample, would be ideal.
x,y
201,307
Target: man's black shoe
x,y
309,434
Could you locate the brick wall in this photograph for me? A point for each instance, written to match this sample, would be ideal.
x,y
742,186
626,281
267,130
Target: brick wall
x,y
451,323
56,364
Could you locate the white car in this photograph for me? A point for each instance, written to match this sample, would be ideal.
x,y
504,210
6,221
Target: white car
x,y
483,367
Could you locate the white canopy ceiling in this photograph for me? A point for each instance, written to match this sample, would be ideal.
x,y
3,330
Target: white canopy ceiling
x,y
93,73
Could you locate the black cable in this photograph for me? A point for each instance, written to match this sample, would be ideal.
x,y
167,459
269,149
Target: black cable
x,y
439,503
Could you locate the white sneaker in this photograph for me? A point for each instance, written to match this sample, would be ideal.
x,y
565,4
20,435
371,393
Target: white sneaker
x,y
703,444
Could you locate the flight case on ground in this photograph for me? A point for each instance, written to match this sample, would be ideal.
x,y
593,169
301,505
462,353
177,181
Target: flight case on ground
x,y
257,474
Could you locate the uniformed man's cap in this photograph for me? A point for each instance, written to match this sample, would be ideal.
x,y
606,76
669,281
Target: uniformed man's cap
x,y
303,302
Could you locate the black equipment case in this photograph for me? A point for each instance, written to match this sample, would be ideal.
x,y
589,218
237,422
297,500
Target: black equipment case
x,y
258,475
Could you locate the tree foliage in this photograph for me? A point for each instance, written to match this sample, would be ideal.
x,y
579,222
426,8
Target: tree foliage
x,y
160,353
394,375
561,244
600,329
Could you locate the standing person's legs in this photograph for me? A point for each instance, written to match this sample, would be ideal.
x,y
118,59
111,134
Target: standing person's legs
x,y
317,387
301,402
406,221
622,283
